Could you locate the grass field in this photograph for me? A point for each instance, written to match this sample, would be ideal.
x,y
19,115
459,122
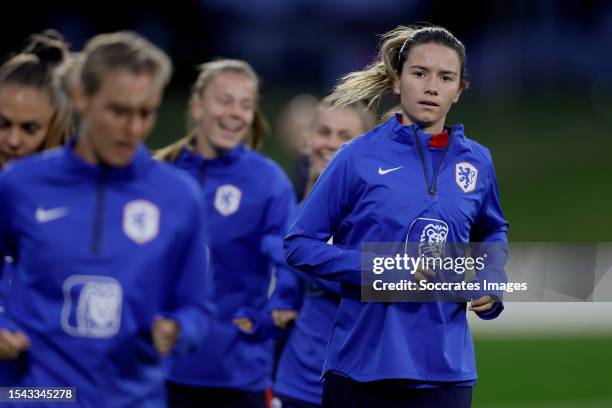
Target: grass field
x,y
544,372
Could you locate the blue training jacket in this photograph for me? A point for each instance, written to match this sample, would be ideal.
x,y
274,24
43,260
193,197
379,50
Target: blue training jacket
x,y
249,200
98,253
383,187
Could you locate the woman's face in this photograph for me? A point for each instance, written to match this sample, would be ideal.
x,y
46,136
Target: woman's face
x,y
25,117
331,129
225,111
118,117
429,85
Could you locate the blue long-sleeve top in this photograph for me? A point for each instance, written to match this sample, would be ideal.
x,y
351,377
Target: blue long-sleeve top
x,y
382,187
98,253
249,201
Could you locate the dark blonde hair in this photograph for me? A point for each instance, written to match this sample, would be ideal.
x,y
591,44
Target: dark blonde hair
x,y
208,72
42,65
366,116
123,50
376,80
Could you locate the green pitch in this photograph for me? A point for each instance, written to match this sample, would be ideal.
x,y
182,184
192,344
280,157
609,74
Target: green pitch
x,y
553,372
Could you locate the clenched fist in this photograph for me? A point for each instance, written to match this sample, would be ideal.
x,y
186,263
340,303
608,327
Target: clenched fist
x,y
12,344
165,334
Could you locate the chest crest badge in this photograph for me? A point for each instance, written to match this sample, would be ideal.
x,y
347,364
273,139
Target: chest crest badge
x,y
227,199
141,221
466,176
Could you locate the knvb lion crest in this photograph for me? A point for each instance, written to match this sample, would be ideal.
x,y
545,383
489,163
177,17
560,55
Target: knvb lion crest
x,y
141,221
466,176
430,235
227,199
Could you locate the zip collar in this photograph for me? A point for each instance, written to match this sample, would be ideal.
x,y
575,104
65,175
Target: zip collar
x,y
405,133
141,161
414,136
191,157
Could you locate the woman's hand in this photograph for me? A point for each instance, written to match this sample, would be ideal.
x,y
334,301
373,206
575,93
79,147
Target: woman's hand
x,y
244,324
12,344
165,334
483,304
282,318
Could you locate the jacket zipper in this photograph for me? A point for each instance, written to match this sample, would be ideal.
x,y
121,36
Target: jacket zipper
x,y
98,226
431,189
202,175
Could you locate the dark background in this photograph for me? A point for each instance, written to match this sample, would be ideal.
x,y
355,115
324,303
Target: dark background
x,y
541,79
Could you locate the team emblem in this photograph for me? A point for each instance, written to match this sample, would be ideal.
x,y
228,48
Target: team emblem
x,y
430,236
227,199
141,221
92,306
466,176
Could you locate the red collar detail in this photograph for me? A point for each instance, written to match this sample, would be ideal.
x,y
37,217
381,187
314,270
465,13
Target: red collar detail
x,y
439,140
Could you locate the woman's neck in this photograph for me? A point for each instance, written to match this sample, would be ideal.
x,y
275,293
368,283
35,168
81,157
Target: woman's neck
x,y
204,148
433,128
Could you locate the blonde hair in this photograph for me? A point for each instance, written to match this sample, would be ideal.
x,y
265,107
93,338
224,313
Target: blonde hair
x,y
40,66
365,114
208,72
123,50
371,84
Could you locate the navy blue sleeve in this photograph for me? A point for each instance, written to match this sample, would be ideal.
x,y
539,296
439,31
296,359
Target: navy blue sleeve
x,y
192,295
330,286
491,229
306,246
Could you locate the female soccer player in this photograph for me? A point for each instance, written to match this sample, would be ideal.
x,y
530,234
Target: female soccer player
x,y
293,127
249,200
298,383
109,256
389,186
35,109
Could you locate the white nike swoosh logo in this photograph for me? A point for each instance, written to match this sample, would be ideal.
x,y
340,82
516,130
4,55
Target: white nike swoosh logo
x,y
43,215
381,171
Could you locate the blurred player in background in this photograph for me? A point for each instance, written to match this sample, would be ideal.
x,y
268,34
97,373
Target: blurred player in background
x,y
108,245
408,174
298,377
294,132
35,109
249,200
